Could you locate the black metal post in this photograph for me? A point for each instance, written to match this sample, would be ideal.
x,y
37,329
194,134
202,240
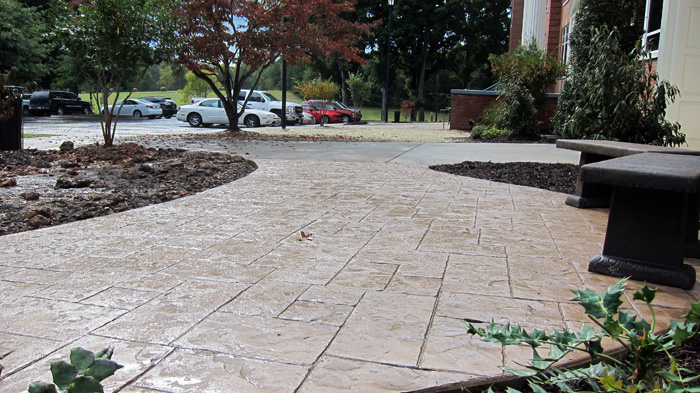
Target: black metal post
x,y
284,94
385,93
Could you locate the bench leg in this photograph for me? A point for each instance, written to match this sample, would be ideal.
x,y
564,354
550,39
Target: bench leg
x,y
588,194
645,238
692,244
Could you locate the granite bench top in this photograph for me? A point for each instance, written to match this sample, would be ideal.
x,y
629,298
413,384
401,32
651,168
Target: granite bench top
x,y
618,149
666,172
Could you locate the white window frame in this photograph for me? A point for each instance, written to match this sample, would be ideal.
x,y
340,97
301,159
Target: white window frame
x,y
564,56
657,32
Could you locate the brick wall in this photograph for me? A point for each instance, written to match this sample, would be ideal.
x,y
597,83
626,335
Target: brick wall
x,y
516,24
469,104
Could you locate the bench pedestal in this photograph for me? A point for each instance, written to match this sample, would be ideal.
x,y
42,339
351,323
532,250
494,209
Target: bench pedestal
x,y
645,238
588,194
653,220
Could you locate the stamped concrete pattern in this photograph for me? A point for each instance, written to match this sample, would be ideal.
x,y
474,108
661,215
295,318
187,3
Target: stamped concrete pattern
x,y
221,292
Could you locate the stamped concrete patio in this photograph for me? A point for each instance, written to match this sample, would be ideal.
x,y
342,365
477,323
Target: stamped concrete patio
x,y
221,292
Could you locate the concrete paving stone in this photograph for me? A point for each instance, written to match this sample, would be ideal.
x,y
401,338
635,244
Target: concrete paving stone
x,y
17,352
88,284
203,269
449,348
385,327
171,314
7,270
12,290
237,250
665,296
449,239
272,339
206,372
52,319
135,357
334,375
152,282
333,295
317,312
501,310
365,275
317,273
424,286
121,298
154,259
266,298
477,275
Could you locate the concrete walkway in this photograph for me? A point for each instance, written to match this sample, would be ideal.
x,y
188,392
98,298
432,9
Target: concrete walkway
x,y
221,292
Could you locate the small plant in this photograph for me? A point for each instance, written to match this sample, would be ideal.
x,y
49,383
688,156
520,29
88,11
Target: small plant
x,y
407,108
637,371
82,375
481,131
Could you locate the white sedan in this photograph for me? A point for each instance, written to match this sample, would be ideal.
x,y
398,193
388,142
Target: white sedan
x,y
211,111
136,108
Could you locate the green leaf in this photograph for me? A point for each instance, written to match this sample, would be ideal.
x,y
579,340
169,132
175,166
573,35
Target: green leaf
x,y
613,328
646,294
63,374
611,297
85,385
102,368
81,359
693,316
519,373
590,301
42,387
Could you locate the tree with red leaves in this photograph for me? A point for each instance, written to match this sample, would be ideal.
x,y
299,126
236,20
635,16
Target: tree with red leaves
x,y
227,43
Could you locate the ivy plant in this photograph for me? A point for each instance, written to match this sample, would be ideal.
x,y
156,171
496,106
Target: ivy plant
x,y
639,370
82,375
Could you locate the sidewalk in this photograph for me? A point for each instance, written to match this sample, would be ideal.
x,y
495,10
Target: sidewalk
x,y
221,292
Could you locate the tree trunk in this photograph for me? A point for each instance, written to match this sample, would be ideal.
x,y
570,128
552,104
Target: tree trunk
x,y
343,88
421,79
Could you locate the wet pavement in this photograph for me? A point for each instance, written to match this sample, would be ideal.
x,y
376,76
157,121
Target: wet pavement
x,y
222,292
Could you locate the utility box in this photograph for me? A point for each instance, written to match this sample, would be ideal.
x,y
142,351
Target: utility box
x,y
11,126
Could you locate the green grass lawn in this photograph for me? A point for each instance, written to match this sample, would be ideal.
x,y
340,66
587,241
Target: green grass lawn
x,y
35,135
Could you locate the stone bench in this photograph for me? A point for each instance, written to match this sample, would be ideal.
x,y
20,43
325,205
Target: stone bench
x,y
653,217
589,194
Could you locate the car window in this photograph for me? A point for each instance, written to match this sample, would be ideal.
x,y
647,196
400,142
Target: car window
x,y
211,103
269,96
256,97
71,96
130,102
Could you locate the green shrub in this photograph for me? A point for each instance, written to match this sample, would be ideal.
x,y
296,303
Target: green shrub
x,y
525,75
490,116
637,371
616,96
482,131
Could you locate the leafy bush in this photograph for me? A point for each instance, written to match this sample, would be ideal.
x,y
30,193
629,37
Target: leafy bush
x,y
82,375
482,131
617,96
525,74
637,371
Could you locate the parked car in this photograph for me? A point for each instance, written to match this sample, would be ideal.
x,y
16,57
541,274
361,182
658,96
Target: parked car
x,y
324,116
308,118
25,103
169,106
136,108
211,111
347,114
55,102
265,101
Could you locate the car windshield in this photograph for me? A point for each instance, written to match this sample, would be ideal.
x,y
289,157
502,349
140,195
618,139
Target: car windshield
x,y
268,96
340,105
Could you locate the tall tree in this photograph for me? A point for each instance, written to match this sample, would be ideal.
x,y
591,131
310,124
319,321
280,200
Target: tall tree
x,y
117,39
227,43
21,48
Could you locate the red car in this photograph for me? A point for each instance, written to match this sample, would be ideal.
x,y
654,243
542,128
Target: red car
x,y
322,116
346,114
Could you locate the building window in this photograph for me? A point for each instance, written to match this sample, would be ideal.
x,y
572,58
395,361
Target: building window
x,y
652,26
564,44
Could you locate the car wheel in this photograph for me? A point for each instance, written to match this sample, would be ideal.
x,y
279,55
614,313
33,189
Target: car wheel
x,y
252,121
168,116
138,114
325,119
151,117
195,119
345,118
25,111
60,111
86,110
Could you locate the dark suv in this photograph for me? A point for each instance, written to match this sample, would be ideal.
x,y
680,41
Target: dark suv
x,y
169,106
57,102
